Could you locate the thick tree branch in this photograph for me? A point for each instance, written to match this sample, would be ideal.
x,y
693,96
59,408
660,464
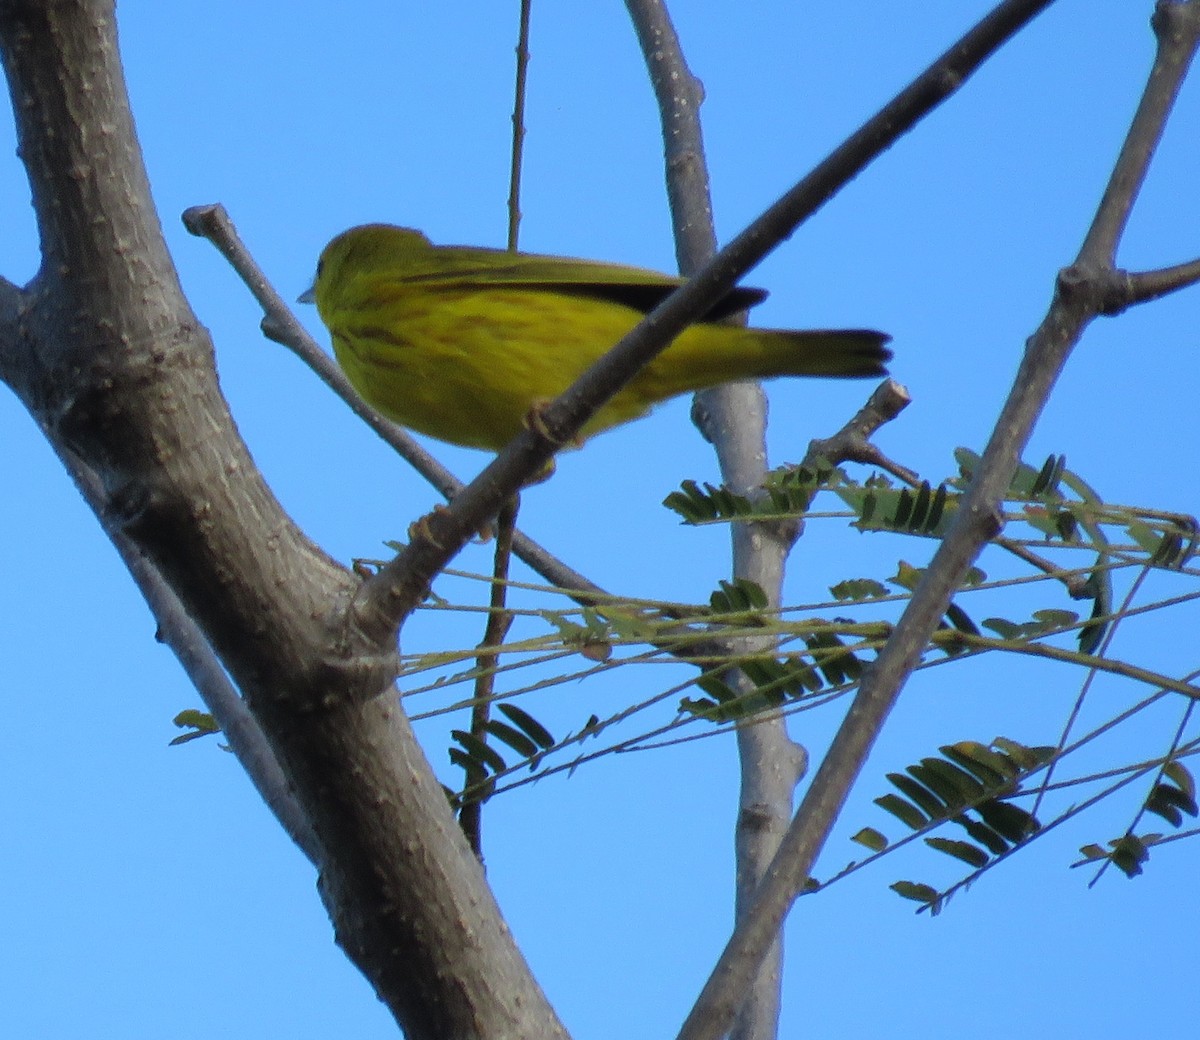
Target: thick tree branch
x,y
679,95
118,372
1077,301
238,726
11,299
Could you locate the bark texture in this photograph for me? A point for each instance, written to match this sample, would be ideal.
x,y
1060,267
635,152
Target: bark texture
x,y
105,352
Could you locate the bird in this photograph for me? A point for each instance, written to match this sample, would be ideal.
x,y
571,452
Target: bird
x,y
463,343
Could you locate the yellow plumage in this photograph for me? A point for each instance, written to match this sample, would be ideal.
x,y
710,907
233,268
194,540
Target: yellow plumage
x,y
460,343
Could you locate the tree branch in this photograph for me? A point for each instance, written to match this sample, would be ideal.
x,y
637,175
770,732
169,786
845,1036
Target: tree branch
x,y
733,418
1074,306
11,299
238,726
1174,23
119,374
1145,286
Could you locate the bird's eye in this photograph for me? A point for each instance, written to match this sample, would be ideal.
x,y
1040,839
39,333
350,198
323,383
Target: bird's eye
x,y
320,266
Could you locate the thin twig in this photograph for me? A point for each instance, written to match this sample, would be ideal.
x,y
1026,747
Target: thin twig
x,y
470,816
518,122
1171,756
852,443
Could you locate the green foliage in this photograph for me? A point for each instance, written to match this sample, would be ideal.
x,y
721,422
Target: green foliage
x,y
830,662
971,786
738,596
1062,510
1171,797
880,507
480,761
1128,853
1074,517
785,493
967,803
858,590
197,723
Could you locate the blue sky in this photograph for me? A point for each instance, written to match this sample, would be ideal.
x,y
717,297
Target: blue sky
x,y
147,891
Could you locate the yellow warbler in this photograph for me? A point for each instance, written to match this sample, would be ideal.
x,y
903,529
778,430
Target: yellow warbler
x,y
460,343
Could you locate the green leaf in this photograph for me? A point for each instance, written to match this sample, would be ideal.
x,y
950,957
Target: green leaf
x,y
184,738
1008,820
803,676
514,738
856,590
1047,521
702,708
691,503
920,512
940,785
928,802
770,679
1047,479
1144,535
938,510
1092,634
1170,803
1066,526
832,658
915,891
968,461
1027,758
871,838
528,725
479,751
963,850
477,786
1182,779
197,720
960,619
966,786
1055,620
737,596
475,773
975,576
1128,854
201,724
905,812
907,576
1003,628
985,835
1161,806
992,769
867,512
716,687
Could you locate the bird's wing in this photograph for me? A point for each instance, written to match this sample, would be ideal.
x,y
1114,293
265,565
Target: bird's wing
x,y
633,287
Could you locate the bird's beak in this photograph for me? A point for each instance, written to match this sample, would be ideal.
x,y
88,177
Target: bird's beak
x,y
308,296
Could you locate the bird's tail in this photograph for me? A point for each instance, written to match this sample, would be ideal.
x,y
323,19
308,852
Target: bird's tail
x,y
707,355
